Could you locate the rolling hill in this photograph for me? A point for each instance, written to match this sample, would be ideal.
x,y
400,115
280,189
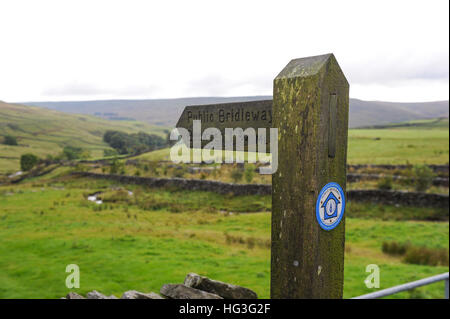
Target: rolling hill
x,y
45,132
370,113
166,112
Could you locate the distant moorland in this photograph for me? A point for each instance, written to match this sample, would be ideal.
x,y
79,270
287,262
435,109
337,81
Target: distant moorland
x,y
166,112
46,132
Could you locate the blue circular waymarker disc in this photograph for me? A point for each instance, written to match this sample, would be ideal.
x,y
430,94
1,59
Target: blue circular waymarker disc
x,y
330,206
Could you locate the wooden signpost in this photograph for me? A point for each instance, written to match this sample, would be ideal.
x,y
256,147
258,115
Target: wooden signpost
x,y
310,106
253,114
310,111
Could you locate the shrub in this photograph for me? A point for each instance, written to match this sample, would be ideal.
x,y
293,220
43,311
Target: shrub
x,y
71,152
135,143
119,196
49,159
417,255
109,152
10,140
180,172
423,177
249,174
152,167
251,242
395,248
80,168
115,166
236,175
230,239
385,183
427,256
28,161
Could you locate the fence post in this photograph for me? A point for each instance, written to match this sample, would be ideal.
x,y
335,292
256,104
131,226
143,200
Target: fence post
x,y
310,110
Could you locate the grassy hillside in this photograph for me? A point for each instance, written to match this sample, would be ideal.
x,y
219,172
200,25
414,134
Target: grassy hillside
x,y
45,132
167,111
365,113
415,142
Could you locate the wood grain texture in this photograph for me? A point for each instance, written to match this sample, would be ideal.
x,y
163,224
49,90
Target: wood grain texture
x,y
307,261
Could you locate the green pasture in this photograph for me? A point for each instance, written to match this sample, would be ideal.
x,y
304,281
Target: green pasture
x,y
417,142
401,145
157,236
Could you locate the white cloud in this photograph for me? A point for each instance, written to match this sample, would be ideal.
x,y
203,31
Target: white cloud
x,y
62,50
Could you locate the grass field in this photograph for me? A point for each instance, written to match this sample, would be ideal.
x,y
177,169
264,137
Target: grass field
x,y
426,142
417,142
155,237
44,132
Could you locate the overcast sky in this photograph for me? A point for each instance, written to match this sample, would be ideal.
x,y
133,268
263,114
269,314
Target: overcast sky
x,y
82,50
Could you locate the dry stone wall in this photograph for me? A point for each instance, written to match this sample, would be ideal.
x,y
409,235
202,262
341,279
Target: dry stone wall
x,y
374,196
351,178
194,287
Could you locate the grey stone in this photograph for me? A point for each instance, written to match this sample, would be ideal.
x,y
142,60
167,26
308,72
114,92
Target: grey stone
x,y
225,290
188,184
133,294
96,295
183,292
74,295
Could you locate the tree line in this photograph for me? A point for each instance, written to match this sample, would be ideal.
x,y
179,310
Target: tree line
x,y
134,143
29,160
121,142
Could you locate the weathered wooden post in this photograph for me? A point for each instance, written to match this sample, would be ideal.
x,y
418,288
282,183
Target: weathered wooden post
x,y
310,110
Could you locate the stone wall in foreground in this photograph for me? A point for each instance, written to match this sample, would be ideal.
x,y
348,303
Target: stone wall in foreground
x,y
374,196
194,287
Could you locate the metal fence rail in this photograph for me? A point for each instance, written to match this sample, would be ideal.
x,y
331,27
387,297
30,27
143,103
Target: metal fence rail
x,y
408,286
